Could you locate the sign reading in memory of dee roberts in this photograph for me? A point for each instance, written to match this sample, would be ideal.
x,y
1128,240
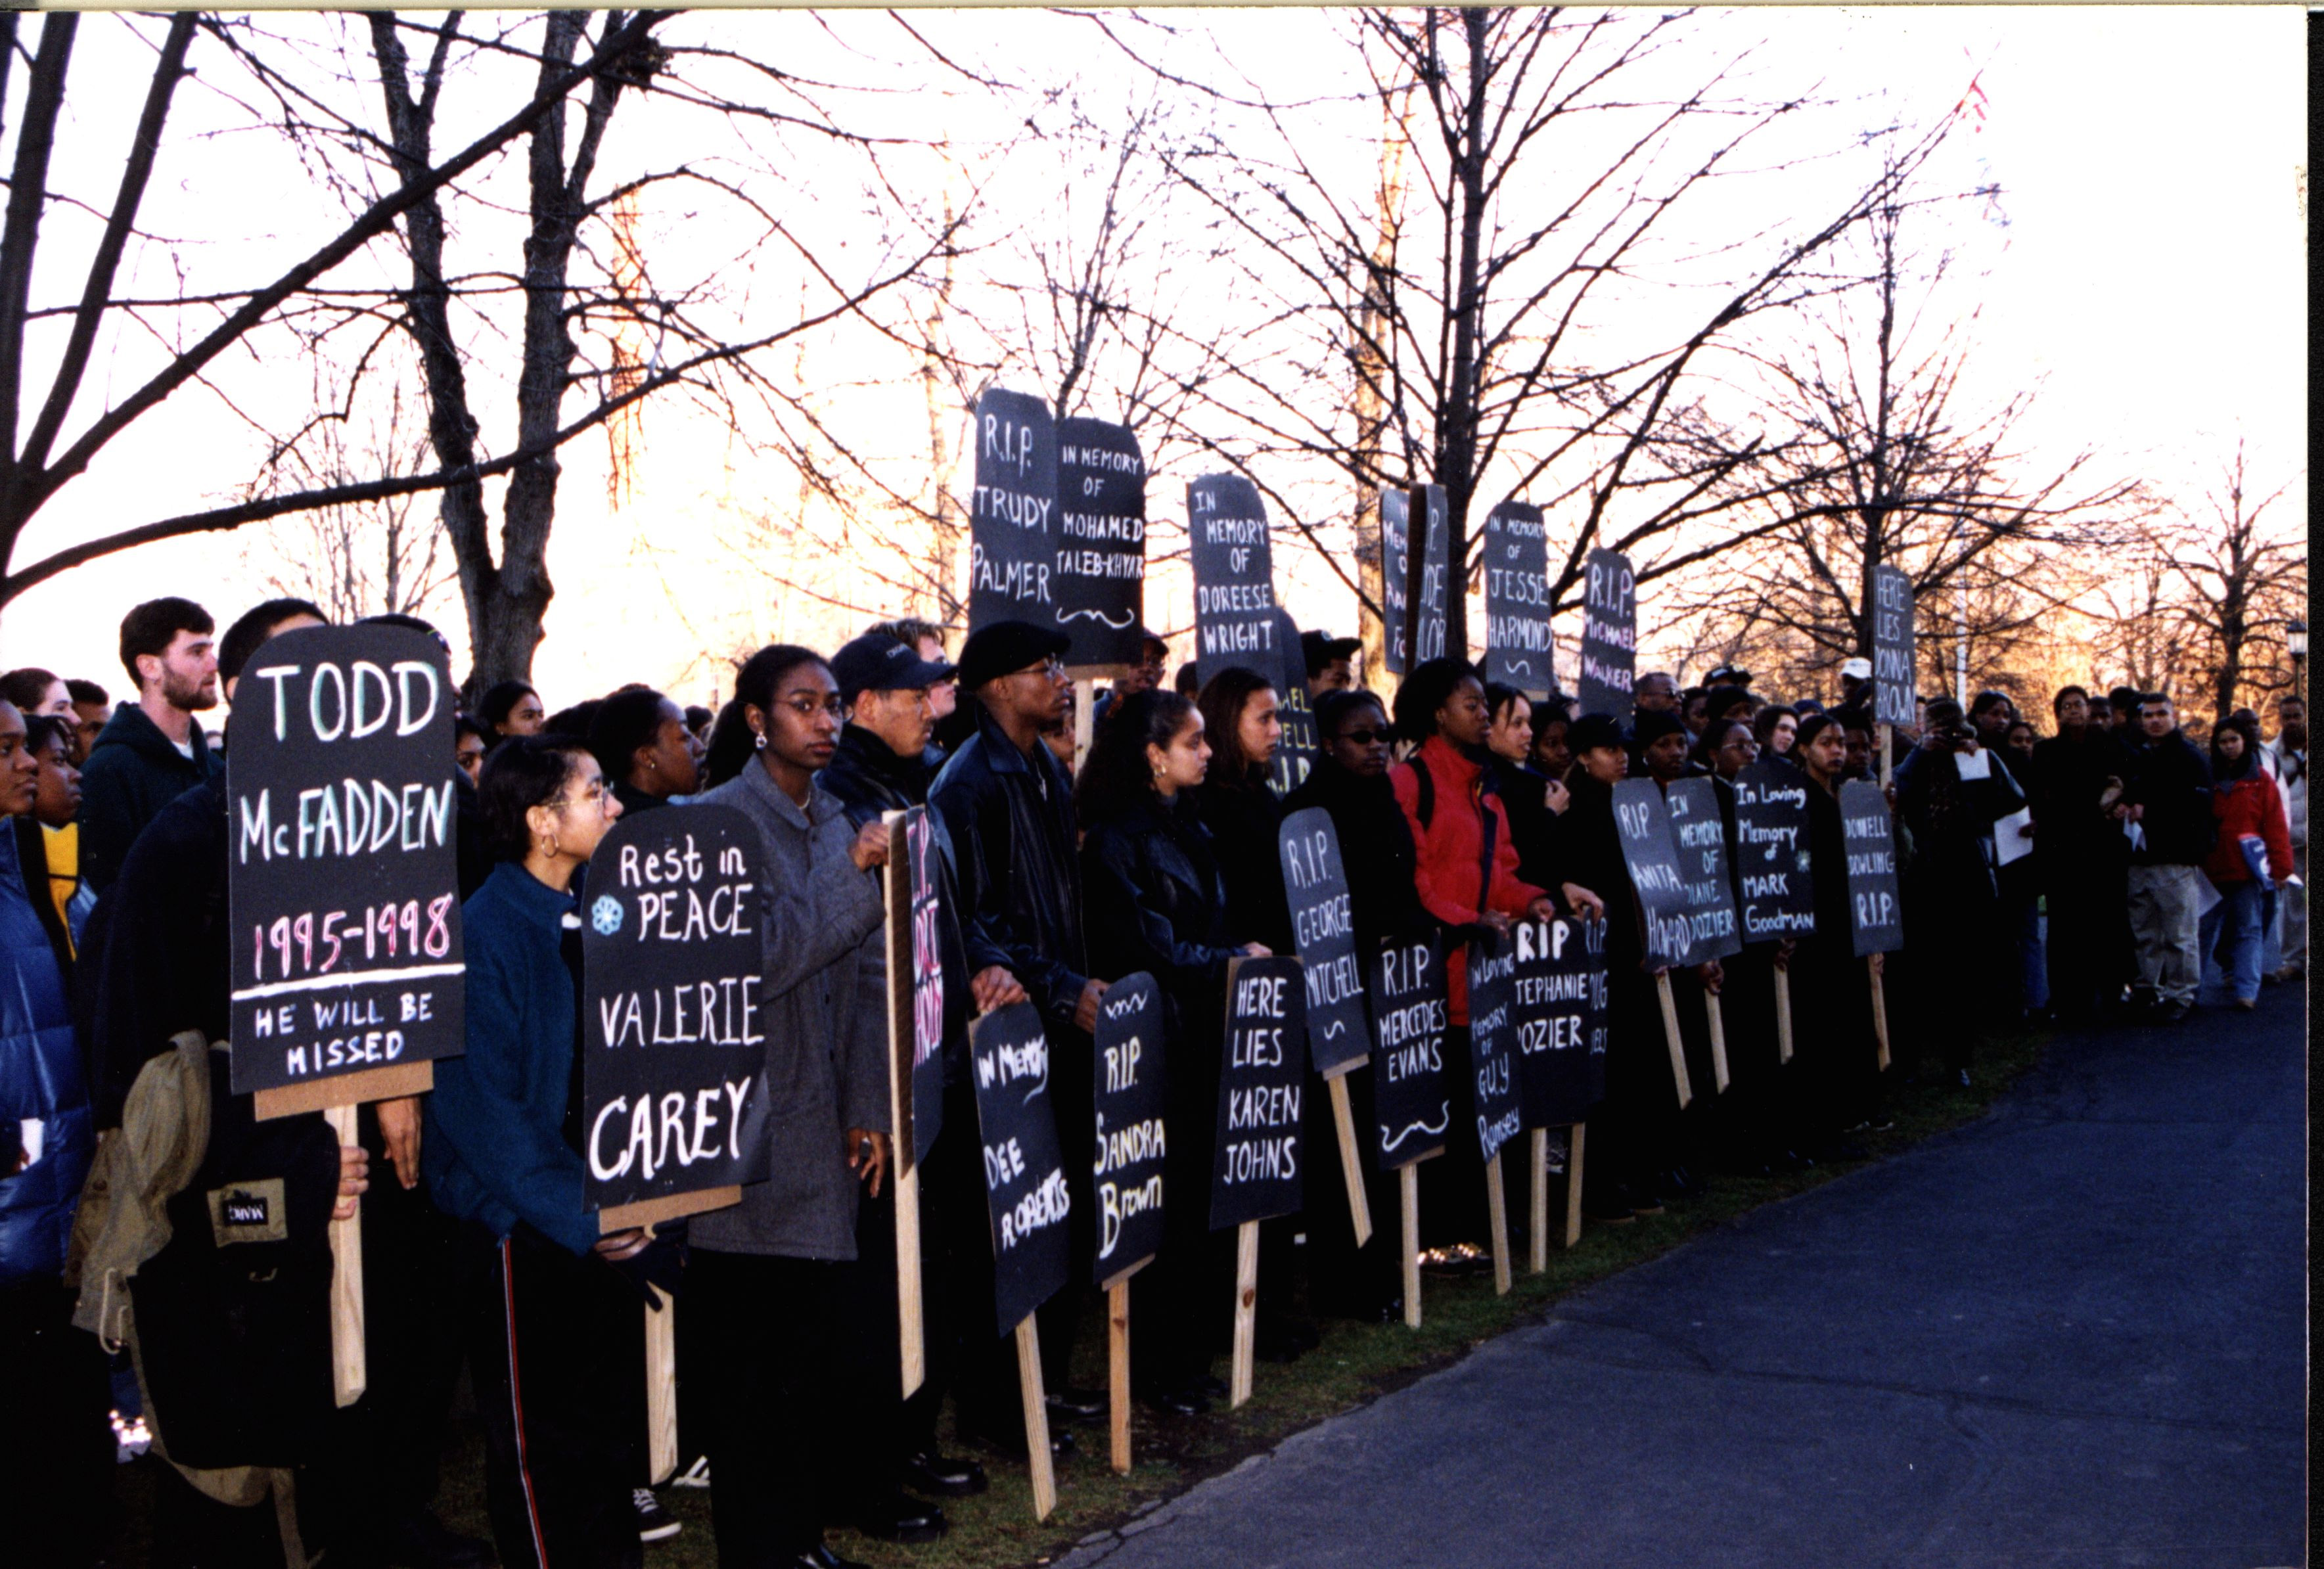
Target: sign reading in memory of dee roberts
x,y
1012,514
1892,647
1339,1035
915,977
1771,851
1642,824
672,1098
1699,833
1875,911
1101,556
1610,635
1516,599
1493,1041
1234,577
1130,1136
1025,1190
1411,1009
1256,1173
342,888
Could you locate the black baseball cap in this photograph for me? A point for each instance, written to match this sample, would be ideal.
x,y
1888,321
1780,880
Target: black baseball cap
x,y
876,662
1322,648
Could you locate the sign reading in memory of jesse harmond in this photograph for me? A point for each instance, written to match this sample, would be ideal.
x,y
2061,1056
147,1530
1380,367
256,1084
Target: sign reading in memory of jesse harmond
x,y
1610,635
1100,588
1256,1175
672,1100
1130,1135
1516,599
1012,512
1234,577
343,887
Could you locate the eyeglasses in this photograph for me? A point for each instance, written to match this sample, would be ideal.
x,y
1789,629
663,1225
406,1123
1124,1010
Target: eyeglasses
x,y
592,795
1364,737
1052,668
809,707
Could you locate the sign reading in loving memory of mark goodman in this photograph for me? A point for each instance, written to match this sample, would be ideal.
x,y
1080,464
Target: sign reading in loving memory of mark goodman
x,y
1130,1135
1256,1173
1410,1013
1771,853
672,1098
1430,571
1100,586
1610,635
916,975
1875,913
1560,990
1892,647
342,888
1516,599
1699,835
1012,512
1493,1041
1025,1189
1396,576
1234,577
1642,824
1316,879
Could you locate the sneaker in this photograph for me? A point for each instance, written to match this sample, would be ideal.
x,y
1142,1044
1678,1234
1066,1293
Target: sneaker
x,y
2247,1003
2173,1012
655,1523
695,1475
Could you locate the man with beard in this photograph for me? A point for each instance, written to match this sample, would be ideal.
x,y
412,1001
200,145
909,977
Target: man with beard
x,y
152,751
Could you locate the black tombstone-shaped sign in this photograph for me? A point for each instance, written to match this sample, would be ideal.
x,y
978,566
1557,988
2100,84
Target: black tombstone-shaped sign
x,y
672,1097
1610,635
1430,573
1339,1033
1699,836
1256,1173
1130,1134
1396,575
1410,1012
1294,754
1771,851
1100,586
1560,989
342,883
1874,913
1892,646
916,985
1234,577
1493,1042
1024,1175
1012,514
1516,599
1642,824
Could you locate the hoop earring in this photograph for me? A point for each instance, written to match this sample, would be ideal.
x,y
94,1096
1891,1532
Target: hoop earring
x,y
759,742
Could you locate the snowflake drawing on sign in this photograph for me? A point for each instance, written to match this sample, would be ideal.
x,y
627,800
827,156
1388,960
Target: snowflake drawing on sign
x,y
606,914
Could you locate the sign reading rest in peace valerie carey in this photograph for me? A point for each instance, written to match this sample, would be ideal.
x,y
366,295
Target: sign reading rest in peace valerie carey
x,y
342,884
1234,577
1012,512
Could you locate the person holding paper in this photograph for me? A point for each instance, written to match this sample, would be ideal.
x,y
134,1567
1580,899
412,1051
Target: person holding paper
x,y
2252,857
2165,811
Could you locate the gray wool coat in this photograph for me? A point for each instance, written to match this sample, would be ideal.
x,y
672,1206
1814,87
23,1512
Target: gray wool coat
x,y
825,1012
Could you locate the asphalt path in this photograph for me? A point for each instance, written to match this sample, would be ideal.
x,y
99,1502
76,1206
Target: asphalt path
x,y
2070,1334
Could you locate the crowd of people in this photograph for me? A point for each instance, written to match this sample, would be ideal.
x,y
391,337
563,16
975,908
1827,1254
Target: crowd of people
x,y
2093,871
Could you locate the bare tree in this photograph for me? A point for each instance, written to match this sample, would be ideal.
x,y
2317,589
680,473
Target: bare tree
x,y
2241,580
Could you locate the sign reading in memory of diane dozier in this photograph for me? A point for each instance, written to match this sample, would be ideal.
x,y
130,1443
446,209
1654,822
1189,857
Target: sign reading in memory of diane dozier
x,y
1610,635
1256,1175
1025,1188
1874,910
1296,750
1493,1041
1410,1012
916,975
1699,836
1131,1144
1642,824
1771,853
672,1042
1560,992
1516,599
1012,514
1892,647
1234,577
1396,576
1101,583
1430,573
342,888
1339,1033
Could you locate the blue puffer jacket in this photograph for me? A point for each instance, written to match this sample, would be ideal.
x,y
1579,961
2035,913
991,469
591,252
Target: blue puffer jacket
x,y
41,1077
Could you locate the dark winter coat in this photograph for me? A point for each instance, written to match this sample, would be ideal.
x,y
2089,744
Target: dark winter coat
x,y
1375,853
1245,825
42,1076
132,774
2171,782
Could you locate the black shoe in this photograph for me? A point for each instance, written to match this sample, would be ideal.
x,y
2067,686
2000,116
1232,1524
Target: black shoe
x,y
1187,1402
2173,1012
943,1476
1276,1346
821,1556
418,1540
1214,1387
1840,1150
1072,1404
1607,1209
900,1519
655,1523
1011,1445
1792,1160
1882,1122
1642,1201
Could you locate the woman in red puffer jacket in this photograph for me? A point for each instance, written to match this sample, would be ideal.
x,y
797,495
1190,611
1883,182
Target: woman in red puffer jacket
x,y
2248,804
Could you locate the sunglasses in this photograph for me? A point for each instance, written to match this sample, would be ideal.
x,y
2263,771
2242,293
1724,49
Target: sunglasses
x,y
1364,737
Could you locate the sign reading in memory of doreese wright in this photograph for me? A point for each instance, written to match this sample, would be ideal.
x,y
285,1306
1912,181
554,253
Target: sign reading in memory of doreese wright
x,y
1025,1188
672,1097
1234,577
343,886
1131,1139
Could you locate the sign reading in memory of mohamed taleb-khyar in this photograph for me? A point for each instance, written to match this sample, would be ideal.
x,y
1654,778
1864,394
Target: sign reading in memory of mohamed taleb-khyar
x,y
1100,587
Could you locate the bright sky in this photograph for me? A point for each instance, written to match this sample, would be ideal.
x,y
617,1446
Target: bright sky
x,y
2151,276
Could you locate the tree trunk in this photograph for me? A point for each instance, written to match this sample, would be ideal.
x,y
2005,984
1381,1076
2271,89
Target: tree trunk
x,y
1456,469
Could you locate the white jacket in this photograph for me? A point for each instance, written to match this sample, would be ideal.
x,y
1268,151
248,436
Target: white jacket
x,y
2290,771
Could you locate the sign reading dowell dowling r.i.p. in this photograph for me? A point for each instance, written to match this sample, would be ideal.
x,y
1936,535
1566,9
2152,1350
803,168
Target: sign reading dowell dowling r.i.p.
x,y
1875,912
342,881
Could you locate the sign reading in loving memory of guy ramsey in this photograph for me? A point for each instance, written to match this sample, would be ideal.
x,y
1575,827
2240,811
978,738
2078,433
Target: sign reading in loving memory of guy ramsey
x,y
1013,536
1771,851
1642,824
1130,1125
1256,1173
1101,582
1892,647
1560,992
1025,1188
672,1098
1396,576
1410,1012
1430,571
1296,753
1493,1041
1874,913
1516,599
1699,833
916,975
1234,577
343,887
1610,635
1339,1033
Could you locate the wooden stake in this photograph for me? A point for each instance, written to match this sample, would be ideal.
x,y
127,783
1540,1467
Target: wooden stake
x,y
1036,1420
911,1333
1887,744
1879,1014
1408,1186
1574,1186
661,1389
1783,1015
1718,1040
910,1325
1538,1254
1246,1318
1116,1361
1670,1033
1084,720
348,1374
1351,1168
1497,1214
